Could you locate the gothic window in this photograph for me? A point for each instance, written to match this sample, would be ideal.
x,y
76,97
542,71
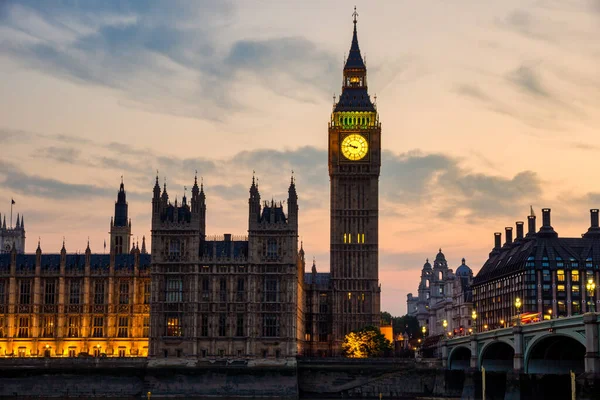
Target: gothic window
x,y
23,327
271,291
272,248
48,323
174,290
119,245
2,326
2,292
205,289
74,291
146,327
323,307
73,327
239,325
25,292
50,291
222,290
124,293
239,296
123,329
270,325
204,325
174,248
322,331
173,325
99,292
147,292
98,327
222,324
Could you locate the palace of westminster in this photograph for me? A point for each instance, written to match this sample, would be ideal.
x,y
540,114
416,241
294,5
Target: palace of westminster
x,y
194,296
199,296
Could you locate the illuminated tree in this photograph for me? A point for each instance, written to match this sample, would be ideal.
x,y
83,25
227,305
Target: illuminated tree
x,y
366,342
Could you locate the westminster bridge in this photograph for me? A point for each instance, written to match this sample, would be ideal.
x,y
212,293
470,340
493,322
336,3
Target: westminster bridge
x,y
554,346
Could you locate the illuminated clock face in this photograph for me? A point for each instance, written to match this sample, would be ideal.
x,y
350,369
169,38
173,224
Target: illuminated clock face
x,y
355,147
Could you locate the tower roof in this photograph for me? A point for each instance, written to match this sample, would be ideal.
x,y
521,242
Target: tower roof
x,y
354,59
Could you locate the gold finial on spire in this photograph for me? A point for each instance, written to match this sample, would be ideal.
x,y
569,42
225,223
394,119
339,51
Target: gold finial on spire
x,y
354,15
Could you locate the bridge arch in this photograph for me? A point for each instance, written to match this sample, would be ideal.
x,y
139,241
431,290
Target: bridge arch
x,y
497,355
459,358
555,353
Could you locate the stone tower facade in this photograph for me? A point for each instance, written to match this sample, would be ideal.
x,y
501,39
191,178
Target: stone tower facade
x,y
12,236
120,225
354,164
225,297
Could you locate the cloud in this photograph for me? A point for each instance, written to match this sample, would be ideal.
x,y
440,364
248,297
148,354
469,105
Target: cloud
x,y
67,155
528,80
14,179
182,65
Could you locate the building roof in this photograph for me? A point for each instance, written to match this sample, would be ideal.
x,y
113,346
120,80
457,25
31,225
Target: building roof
x,y
355,99
320,279
542,250
463,269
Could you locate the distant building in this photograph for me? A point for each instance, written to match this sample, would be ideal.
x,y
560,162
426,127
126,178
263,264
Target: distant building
x,y
443,296
546,272
12,237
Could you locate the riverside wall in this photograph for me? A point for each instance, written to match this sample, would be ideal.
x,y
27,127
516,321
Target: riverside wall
x,y
133,378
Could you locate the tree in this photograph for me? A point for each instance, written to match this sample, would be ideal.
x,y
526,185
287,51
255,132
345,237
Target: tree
x,y
386,318
407,324
366,342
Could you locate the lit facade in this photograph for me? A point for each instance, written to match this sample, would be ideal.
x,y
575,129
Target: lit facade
x,y
62,305
547,273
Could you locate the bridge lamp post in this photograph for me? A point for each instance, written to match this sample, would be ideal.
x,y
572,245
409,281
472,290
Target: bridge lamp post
x,y
423,329
502,323
445,325
550,313
518,307
591,287
474,318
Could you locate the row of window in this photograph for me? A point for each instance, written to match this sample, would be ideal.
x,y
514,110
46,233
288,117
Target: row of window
x,y
72,325
358,238
174,290
174,325
74,293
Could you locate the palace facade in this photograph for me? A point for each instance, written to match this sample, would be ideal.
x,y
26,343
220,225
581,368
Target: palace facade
x,y
546,272
61,304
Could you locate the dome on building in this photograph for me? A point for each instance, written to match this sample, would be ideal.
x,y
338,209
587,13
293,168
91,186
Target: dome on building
x,y
464,269
427,265
440,256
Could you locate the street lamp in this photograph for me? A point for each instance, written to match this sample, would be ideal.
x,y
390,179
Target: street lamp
x,y
518,306
423,329
474,318
550,313
502,323
591,286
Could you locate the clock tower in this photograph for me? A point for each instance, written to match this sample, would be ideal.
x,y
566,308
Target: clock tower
x,y
354,164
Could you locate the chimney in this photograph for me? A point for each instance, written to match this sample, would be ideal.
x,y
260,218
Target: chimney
x,y
497,240
530,225
508,231
227,237
594,218
519,230
546,218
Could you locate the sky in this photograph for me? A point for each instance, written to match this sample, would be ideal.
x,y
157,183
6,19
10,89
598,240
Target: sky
x,y
486,108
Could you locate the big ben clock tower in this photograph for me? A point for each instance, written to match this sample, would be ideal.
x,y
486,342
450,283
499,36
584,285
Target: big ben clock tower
x,y
354,164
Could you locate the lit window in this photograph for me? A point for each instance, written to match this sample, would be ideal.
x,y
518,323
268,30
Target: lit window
x,y
122,332
173,326
124,293
560,275
575,276
560,288
98,328
73,324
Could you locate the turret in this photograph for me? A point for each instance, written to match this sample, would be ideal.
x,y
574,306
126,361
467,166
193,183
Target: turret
x,y
199,206
120,226
253,205
292,204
